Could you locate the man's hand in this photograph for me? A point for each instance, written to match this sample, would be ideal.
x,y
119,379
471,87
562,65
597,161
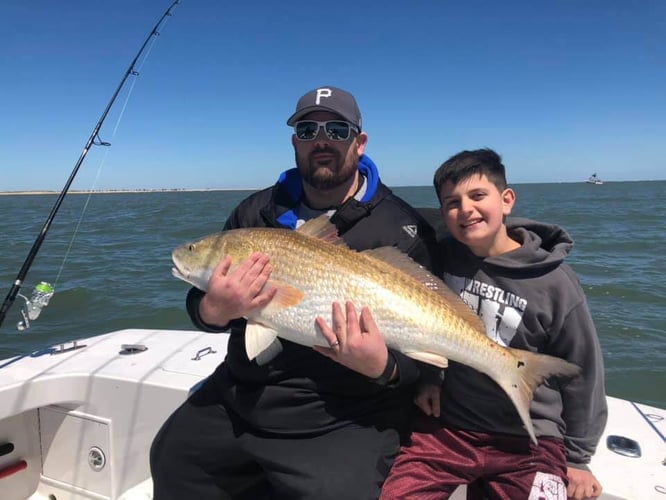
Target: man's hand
x,y
355,342
582,484
427,399
239,293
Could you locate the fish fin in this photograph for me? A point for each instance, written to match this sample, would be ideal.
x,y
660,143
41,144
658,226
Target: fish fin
x,y
460,307
273,349
529,371
323,229
428,357
260,342
396,258
286,296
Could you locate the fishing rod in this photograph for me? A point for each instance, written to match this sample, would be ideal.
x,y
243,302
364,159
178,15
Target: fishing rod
x,y
43,291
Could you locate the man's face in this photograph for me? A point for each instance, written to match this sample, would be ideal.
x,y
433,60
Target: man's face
x,y
324,163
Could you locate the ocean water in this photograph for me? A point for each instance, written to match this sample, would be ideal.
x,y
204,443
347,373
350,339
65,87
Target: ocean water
x,y
108,256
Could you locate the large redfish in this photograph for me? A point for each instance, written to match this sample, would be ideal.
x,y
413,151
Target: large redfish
x,y
416,312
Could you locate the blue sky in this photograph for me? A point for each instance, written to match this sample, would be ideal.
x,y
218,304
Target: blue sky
x,y
560,89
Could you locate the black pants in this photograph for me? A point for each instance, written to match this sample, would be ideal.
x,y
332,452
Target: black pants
x,y
204,453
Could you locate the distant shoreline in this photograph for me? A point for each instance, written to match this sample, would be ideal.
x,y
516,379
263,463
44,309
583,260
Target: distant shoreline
x,y
203,190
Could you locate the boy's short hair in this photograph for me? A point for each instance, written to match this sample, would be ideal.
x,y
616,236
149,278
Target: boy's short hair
x,y
465,164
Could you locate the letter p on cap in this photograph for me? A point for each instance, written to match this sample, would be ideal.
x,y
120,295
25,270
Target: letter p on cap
x,y
322,93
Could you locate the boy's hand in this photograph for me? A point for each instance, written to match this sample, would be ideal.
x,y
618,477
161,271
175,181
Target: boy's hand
x,y
582,484
428,399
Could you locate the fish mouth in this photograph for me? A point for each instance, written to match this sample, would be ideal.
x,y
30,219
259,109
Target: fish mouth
x,y
191,276
179,274
186,277
180,271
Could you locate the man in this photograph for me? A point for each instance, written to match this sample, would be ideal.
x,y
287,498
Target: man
x,y
303,425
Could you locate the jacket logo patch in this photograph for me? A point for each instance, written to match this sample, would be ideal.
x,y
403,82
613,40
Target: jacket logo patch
x,y
411,230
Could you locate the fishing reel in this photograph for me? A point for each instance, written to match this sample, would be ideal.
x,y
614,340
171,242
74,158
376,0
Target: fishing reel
x,y
39,299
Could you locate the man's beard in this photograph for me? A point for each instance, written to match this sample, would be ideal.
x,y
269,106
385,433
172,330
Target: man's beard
x,y
332,175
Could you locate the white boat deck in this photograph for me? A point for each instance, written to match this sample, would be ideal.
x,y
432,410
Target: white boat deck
x,y
58,409
80,423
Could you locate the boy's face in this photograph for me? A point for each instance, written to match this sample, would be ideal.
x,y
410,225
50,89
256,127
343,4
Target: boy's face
x,y
474,211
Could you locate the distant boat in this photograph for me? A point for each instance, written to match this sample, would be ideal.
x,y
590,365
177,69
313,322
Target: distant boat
x,y
593,179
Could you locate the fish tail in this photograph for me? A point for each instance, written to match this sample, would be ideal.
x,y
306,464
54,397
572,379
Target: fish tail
x,y
529,370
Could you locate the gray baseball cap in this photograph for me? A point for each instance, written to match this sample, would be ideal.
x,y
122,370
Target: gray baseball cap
x,y
331,99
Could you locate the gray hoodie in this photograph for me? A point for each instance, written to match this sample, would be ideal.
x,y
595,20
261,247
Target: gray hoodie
x,y
528,299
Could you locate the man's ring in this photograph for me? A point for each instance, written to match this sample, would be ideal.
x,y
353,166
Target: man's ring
x,y
335,344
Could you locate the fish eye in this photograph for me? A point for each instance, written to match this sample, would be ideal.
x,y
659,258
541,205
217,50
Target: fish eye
x,y
191,247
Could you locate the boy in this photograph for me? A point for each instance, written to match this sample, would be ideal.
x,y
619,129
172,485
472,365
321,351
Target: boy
x,y
514,277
